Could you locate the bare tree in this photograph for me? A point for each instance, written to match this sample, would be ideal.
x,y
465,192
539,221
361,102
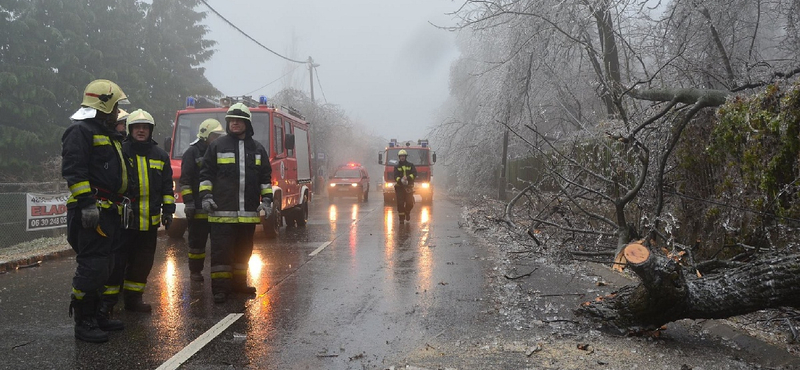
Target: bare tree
x,y
600,95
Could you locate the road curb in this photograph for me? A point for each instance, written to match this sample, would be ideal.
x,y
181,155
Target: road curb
x,y
33,261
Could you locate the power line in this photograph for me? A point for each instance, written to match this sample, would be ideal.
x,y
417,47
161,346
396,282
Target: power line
x,y
248,36
276,80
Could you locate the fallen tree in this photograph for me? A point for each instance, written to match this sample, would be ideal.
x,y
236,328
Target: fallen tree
x,y
669,291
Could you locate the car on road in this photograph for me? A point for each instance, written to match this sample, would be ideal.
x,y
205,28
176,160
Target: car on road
x,y
349,180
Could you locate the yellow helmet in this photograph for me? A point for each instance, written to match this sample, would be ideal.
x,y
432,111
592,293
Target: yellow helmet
x,y
239,110
140,116
103,95
207,127
123,115
402,152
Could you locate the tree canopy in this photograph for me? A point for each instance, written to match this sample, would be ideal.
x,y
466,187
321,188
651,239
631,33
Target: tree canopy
x,y
50,50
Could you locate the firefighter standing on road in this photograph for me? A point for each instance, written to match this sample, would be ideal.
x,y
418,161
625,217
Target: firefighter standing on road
x,y
235,185
404,175
97,175
197,218
154,205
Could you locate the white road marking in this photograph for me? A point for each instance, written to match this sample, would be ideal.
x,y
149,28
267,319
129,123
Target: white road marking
x,y
200,342
321,247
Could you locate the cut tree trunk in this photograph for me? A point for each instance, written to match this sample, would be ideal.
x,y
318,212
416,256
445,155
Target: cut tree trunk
x,y
668,291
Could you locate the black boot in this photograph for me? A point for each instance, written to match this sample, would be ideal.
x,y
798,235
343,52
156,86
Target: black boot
x,y
104,320
240,286
133,302
86,328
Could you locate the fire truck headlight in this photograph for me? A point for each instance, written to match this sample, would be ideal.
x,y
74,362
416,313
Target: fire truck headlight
x,y
425,185
354,184
332,184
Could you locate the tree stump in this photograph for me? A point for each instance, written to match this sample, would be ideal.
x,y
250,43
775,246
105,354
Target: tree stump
x,y
668,292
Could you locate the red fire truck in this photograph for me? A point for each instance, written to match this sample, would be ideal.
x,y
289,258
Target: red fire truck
x,y
282,131
423,159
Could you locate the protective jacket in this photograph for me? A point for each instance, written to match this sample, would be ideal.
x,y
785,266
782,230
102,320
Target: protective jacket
x,y
405,168
191,163
238,174
154,178
93,164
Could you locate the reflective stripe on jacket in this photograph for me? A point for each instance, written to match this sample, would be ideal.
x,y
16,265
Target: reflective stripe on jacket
x,y
153,174
92,158
407,169
238,174
189,183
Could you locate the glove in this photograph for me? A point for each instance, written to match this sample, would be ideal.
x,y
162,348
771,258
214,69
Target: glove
x,y
166,220
266,206
404,180
189,210
208,203
90,216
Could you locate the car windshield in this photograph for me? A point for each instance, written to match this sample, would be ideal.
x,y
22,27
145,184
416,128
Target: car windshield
x,y
347,174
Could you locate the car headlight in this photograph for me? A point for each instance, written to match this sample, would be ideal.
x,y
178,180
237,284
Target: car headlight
x,y
332,184
425,185
354,184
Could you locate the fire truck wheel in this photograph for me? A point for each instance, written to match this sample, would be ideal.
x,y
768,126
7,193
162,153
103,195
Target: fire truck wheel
x,y
177,228
302,215
272,224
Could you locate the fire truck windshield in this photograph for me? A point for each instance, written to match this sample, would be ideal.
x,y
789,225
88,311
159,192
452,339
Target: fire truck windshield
x,y
188,124
419,157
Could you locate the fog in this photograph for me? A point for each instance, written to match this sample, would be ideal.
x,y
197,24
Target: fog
x,y
383,62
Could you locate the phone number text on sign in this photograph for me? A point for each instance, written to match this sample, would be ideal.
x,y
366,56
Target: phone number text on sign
x,y
46,211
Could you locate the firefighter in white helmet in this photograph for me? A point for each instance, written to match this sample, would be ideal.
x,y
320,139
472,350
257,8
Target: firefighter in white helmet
x,y
197,218
404,174
153,205
235,185
97,175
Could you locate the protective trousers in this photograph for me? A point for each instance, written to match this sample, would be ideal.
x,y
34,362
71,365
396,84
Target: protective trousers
x,y
405,200
198,237
95,249
231,248
133,262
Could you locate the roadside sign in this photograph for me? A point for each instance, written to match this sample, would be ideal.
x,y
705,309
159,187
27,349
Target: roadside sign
x,y
46,211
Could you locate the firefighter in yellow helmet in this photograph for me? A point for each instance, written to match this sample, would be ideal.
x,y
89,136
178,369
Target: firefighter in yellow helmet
x,y
197,218
235,185
122,117
97,175
153,205
404,174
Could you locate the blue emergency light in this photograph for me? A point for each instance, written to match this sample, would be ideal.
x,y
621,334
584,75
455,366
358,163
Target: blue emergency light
x,y
190,102
262,100
423,143
392,143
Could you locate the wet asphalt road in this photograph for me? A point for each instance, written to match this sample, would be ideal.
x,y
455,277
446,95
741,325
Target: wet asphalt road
x,y
351,290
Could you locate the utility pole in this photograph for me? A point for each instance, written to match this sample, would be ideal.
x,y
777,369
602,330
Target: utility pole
x,y
311,67
316,171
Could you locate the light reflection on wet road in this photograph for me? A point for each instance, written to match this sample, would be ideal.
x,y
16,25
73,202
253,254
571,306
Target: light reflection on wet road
x,y
374,292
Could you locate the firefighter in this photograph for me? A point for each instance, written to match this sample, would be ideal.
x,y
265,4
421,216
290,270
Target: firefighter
x,y
153,205
121,118
197,218
404,175
96,172
235,185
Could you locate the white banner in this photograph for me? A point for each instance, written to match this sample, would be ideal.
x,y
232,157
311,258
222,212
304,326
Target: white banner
x,y
46,211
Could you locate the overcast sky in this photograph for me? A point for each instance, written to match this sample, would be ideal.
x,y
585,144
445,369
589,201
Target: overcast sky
x,y
379,60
